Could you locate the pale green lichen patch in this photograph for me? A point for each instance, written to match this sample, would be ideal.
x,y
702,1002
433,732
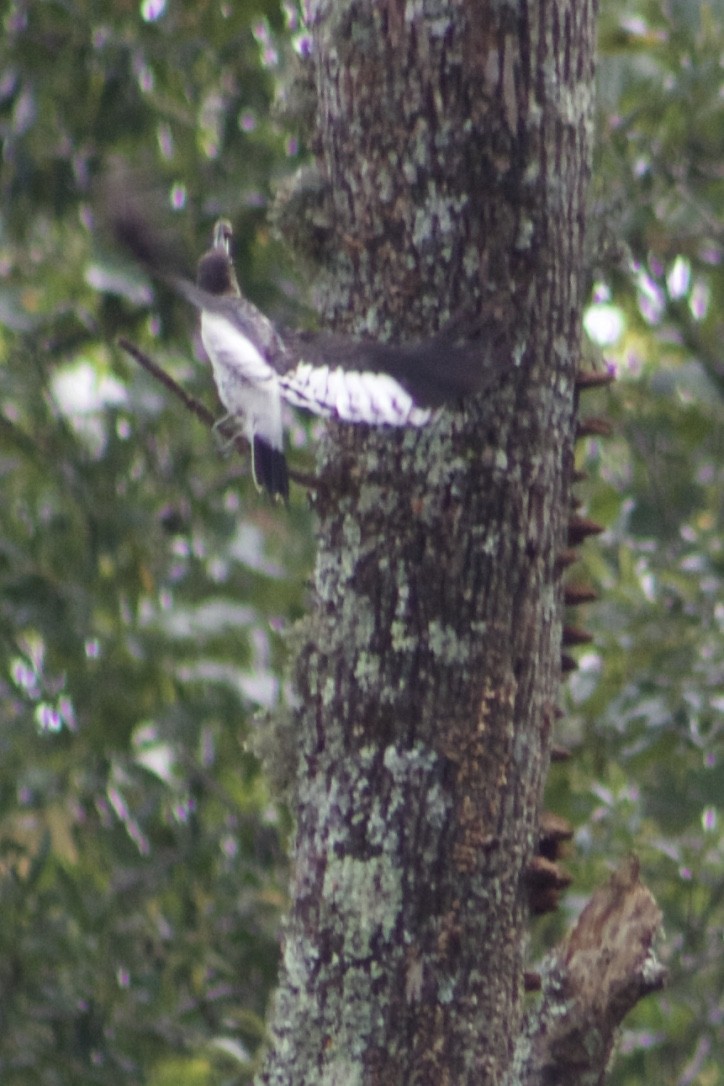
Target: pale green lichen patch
x,y
342,1071
366,896
446,644
416,767
403,639
367,669
525,235
501,460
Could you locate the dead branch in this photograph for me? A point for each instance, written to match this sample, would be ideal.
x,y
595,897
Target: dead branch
x,y
604,967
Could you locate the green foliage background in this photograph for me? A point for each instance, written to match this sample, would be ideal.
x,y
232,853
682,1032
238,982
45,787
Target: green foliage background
x,y
145,588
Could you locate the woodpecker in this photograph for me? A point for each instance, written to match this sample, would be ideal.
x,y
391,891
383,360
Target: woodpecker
x,y
257,366
242,346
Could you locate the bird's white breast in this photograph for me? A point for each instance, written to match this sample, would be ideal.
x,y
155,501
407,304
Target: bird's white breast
x,y
235,361
247,384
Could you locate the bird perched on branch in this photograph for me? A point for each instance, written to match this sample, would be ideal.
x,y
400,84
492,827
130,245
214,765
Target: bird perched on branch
x,y
256,366
243,346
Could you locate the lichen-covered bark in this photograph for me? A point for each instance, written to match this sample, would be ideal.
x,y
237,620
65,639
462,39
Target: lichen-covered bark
x,y
455,138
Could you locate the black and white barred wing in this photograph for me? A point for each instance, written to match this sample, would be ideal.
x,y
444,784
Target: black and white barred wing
x,y
380,383
351,395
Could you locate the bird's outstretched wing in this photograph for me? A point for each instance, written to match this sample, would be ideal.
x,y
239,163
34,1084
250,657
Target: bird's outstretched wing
x,y
363,380
316,369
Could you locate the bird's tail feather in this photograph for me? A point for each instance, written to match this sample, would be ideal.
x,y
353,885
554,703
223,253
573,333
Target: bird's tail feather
x,y
270,468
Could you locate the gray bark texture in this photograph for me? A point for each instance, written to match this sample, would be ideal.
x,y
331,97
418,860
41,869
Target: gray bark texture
x,y
454,141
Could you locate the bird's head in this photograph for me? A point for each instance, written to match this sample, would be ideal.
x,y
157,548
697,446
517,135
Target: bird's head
x,y
215,273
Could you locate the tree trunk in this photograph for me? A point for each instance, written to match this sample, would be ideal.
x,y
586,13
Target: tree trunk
x,y
455,139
